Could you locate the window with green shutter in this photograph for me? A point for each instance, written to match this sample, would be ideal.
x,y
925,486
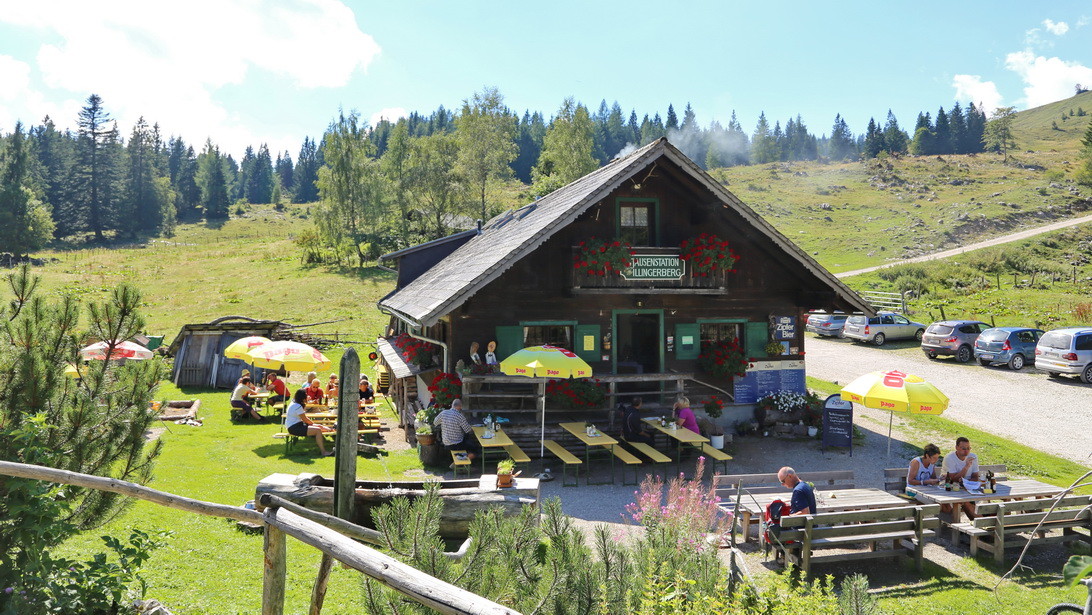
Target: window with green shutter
x,y
687,341
587,343
755,336
509,340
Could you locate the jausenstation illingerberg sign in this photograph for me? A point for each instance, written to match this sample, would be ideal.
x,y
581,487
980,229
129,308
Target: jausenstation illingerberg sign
x,y
655,267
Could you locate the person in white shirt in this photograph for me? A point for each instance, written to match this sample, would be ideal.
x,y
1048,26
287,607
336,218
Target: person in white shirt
x,y
297,424
959,465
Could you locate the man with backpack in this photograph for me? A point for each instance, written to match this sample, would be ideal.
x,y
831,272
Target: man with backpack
x,y
803,496
633,429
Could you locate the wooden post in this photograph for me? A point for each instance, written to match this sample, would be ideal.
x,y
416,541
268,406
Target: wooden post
x,y
318,592
273,573
919,534
999,535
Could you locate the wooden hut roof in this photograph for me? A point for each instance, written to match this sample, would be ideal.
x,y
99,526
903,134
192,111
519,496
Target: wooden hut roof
x,y
398,365
225,323
512,235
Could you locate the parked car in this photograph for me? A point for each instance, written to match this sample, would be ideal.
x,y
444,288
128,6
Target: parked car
x,y
1014,346
826,325
952,338
1066,351
882,327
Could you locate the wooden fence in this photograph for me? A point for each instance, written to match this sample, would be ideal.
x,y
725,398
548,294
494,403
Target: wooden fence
x,y
281,520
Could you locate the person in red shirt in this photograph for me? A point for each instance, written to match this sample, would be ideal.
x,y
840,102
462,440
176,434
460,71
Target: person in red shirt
x,y
315,393
277,387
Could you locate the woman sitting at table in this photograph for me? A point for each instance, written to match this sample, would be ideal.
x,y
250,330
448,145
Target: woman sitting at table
x,y
314,392
239,400
331,387
367,395
297,423
923,469
684,416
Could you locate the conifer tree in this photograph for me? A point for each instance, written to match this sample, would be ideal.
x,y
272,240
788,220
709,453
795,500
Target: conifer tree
x,y
54,151
25,222
942,130
213,181
259,182
894,139
93,184
873,140
531,130
1084,174
307,166
958,125
976,129
842,145
144,205
672,122
736,145
763,143
283,168
923,142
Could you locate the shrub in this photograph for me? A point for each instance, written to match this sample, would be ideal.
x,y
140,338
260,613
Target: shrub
x,y
575,394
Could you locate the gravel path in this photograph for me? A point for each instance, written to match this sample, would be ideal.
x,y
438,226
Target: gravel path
x,y
1054,416
975,246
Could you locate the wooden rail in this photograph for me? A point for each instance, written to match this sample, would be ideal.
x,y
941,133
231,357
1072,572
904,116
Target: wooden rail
x,y
280,522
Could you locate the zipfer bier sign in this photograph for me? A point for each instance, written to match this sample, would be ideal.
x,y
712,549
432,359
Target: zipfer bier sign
x,y
655,267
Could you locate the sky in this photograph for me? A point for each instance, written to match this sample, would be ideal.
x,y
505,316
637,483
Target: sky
x,y
248,72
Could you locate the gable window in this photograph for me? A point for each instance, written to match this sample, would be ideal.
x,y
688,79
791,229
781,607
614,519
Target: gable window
x,y
554,335
637,222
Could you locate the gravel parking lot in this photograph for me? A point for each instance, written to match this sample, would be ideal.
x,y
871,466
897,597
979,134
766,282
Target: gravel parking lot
x,y
1051,415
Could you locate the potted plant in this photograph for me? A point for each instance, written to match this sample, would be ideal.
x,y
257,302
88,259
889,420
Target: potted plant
x,y
425,437
505,476
600,257
713,406
716,436
445,388
723,359
774,349
707,254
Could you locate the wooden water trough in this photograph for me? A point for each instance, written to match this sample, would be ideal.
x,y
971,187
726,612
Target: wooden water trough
x,y
462,498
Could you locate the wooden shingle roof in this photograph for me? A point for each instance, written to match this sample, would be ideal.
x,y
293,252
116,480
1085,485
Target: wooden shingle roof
x,y
512,235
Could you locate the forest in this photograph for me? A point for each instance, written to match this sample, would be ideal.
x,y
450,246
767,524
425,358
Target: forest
x,y
396,183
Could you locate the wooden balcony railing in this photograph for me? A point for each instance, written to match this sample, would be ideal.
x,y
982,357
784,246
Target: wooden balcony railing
x,y
654,270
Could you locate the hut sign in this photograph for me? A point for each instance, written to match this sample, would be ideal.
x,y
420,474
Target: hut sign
x,y
656,267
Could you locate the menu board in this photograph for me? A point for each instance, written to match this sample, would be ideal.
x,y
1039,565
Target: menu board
x,y
770,377
838,423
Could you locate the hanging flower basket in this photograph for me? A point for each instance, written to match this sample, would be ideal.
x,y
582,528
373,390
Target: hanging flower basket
x,y
418,352
707,254
445,388
600,257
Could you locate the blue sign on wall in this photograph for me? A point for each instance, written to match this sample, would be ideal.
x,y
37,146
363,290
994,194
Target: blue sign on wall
x,y
770,377
783,327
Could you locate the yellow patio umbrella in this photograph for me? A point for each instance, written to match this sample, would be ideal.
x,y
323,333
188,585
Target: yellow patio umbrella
x,y
240,347
71,371
294,356
897,392
545,362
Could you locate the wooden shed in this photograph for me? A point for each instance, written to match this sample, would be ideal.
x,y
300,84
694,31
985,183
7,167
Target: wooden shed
x,y
198,351
523,279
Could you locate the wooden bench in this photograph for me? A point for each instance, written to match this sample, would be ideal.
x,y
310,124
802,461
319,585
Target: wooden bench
x,y
629,459
906,528
1000,525
517,454
717,455
725,486
567,459
894,479
457,463
656,456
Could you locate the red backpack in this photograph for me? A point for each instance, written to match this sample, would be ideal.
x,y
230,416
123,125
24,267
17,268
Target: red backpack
x,y
772,520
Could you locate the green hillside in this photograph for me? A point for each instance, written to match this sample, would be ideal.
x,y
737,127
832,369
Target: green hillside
x,y
882,210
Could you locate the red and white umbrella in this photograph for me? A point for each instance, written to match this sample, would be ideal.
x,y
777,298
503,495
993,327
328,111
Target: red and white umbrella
x,y
240,348
121,350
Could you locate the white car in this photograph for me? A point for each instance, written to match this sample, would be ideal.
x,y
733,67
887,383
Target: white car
x,y
882,327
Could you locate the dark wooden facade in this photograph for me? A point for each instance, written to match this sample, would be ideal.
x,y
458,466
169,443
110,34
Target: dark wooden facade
x,y
620,325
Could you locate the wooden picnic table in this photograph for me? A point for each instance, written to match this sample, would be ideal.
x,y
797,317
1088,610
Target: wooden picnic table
x,y
681,435
1006,490
499,440
579,429
753,506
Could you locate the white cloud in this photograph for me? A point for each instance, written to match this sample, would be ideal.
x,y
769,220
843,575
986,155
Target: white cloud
x,y
391,114
971,88
172,63
1046,79
1056,28
15,76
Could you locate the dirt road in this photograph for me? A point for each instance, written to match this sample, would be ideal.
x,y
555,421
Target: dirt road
x,y
1052,415
975,246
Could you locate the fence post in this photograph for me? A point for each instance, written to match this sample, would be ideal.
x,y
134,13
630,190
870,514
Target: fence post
x,y
273,574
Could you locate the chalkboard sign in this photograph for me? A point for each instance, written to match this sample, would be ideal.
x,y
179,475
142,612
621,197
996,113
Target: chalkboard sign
x,y
838,423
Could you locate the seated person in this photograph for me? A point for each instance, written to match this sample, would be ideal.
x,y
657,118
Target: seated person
x,y
331,387
367,395
245,374
455,431
297,424
923,469
239,399
277,387
961,464
633,428
684,416
803,496
315,394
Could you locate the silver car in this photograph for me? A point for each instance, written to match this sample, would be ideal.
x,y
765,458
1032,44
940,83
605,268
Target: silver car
x,y
826,325
952,338
882,327
1066,351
